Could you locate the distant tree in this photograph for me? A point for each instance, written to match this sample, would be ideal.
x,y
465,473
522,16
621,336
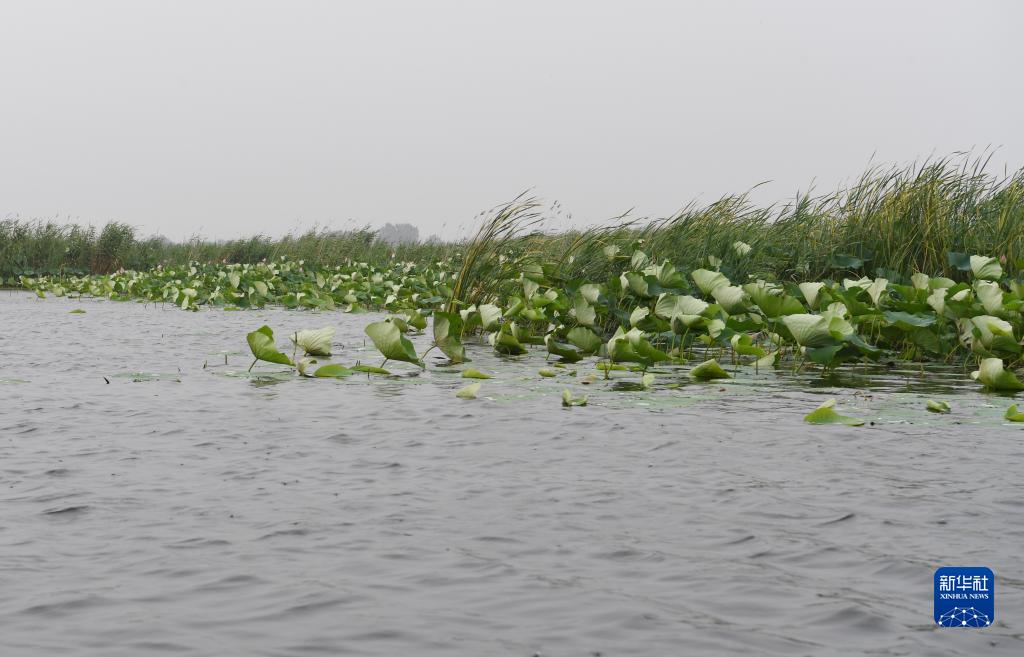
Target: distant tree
x,y
399,234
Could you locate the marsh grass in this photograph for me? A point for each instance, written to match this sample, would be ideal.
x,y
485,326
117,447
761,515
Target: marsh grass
x,y
898,219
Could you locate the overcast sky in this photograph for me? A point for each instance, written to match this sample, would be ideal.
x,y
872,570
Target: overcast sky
x,y
232,118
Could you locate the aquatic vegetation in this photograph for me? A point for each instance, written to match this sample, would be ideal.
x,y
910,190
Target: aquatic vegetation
x,y
470,373
468,392
388,338
994,376
76,311
568,400
937,406
261,343
314,343
708,371
826,414
1013,415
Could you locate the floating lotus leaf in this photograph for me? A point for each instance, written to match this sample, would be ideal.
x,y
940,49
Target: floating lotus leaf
x,y
505,342
993,376
76,311
368,369
388,338
646,381
937,406
314,343
568,400
826,414
986,268
708,371
547,372
1013,415
261,343
333,371
469,392
471,373
564,351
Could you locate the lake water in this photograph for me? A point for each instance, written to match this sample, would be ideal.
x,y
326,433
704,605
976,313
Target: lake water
x,y
190,510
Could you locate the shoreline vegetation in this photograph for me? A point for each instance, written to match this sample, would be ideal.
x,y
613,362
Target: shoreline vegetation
x,y
730,283
899,219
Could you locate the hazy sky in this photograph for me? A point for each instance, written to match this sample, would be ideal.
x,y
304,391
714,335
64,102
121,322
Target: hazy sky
x,y
229,118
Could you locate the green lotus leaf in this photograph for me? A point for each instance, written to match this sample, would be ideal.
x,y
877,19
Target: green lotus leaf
x,y
638,260
906,321
585,313
708,281
731,298
862,283
333,371
568,400
261,343
504,342
368,369
808,330
1013,415
611,251
875,290
671,305
990,295
314,343
76,311
986,268
812,293
937,406
744,345
303,364
742,249
566,352
708,371
767,361
388,338
591,292
993,376
920,281
448,336
826,414
469,392
981,332
638,315
937,300
490,316
646,381
635,283
547,372
416,320
471,373
584,339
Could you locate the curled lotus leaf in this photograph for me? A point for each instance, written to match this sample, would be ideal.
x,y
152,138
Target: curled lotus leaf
x,y
994,376
261,343
708,371
826,414
986,268
388,338
469,392
314,342
708,281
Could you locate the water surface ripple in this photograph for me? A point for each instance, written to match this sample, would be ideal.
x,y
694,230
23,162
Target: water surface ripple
x,y
184,510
